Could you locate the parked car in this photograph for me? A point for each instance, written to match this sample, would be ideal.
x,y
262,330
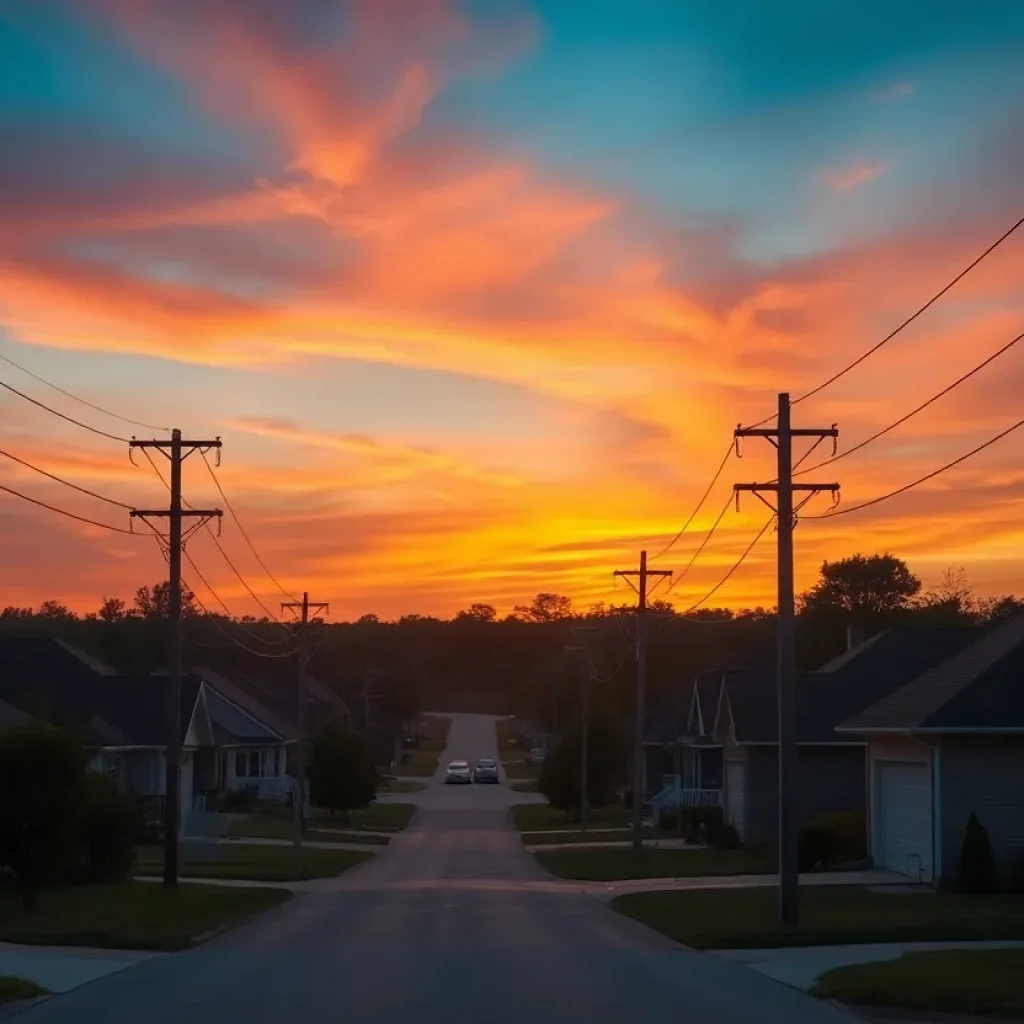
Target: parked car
x,y
458,772
486,770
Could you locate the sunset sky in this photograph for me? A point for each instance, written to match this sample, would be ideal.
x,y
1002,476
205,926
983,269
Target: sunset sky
x,y
475,291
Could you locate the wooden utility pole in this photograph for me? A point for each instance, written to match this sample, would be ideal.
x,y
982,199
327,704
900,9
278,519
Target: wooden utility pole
x,y
586,677
302,657
782,437
643,576
176,451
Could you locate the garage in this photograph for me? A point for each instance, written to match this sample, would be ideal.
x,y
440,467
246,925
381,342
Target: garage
x,y
904,817
734,794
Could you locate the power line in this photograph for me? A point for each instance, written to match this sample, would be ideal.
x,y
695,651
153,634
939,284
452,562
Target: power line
x,y
693,607
64,512
703,544
63,416
83,401
930,476
906,323
66,483
914,412
220,548
241,529
714,480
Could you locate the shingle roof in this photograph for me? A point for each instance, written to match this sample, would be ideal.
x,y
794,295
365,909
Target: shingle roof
x,y
825,699
977,687
233,726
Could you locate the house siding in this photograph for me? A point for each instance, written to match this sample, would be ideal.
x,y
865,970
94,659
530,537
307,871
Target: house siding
x,y
890,748
829,779
983,775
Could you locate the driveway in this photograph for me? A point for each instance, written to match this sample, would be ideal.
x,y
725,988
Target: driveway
x,y
454,922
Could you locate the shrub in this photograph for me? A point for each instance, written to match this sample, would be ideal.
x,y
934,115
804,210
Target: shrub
x,y
723,836
111,825
978,873
239,801
833,838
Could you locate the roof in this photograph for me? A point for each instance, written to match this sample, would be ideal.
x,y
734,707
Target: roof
x,y
10,716
666,721
233,726
975,688
826,698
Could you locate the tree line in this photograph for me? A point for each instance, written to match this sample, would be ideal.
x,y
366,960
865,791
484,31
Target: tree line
x,y
478,661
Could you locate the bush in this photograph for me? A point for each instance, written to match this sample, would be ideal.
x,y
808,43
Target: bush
x,y
832,839
111,825
978,873
239,801
723,836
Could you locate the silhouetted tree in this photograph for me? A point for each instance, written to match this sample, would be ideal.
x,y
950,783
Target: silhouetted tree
x,y
113,609
544,608
341,776
864,586
154,602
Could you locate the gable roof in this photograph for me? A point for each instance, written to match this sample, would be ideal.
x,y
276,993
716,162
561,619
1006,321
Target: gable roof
x,y
976,688
846,685
233,725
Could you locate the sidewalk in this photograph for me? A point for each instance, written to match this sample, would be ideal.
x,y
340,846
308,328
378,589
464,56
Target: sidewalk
x,y
316,844
62,968
599,844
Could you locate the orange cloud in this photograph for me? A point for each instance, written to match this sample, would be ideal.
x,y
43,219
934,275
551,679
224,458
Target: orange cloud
x,y
854,175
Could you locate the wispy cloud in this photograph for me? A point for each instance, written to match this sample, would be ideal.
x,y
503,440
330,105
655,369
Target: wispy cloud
x,y
854,175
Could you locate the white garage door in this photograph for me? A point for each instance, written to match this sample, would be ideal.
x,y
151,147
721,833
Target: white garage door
x,y
904,817
734,794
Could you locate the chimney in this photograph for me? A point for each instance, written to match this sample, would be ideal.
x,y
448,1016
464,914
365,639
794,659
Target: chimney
x,y
854,635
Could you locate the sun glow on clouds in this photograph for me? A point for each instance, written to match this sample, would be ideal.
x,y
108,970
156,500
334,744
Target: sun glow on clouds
x,y
358,224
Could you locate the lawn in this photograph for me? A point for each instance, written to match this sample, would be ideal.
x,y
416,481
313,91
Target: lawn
x,y
508,733
13,989
524,786
418,763
592,835
616,863
375,818
253,863
970,981
434,730
535,817
830,915
137,915
522,770
261,827
401,786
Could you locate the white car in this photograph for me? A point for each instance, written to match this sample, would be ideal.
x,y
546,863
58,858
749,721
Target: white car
x,y
458,772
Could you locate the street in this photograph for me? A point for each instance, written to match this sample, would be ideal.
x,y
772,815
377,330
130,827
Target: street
x,y
453,923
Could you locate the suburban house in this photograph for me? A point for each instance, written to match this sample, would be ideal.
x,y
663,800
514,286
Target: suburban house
x,y
946,744
831,765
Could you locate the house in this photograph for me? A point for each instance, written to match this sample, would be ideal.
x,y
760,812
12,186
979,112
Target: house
x,y
946,744
831,766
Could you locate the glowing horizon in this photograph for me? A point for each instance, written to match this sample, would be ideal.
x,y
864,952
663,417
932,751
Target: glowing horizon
x,y
475,292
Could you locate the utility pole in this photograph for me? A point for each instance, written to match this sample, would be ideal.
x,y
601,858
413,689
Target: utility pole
x,y
176,451
586,677
643,575
782,437
302,657
367,695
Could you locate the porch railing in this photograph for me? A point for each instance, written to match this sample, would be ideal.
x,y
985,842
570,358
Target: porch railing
x,y
674,796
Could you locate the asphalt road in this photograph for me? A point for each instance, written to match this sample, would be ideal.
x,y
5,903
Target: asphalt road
x,y
455,924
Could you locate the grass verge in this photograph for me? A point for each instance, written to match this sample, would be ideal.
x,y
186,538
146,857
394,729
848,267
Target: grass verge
x,y
617,863
829,915
524,786
262,827
537,817
375,818
251,863
970,981
419,763
401,786
136,915
592,835
12,989
523,770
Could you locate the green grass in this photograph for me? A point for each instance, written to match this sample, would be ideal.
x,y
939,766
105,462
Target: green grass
x,y
435,730
970,981
524,786
137,915
829,915
375,818
615,863
261,827
536,817
592,835
12,989
401,786
418,763
253,863
522,771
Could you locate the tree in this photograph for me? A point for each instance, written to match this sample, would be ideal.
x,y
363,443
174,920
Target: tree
x,y
113,609
39,813
341,777
544,608
154,602
560,774
54,610
865,587
951,602
477,612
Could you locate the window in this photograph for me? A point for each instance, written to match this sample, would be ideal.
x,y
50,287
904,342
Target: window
x,y
254,764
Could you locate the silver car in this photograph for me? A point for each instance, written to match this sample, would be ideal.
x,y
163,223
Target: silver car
x,y
458,772
486,770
